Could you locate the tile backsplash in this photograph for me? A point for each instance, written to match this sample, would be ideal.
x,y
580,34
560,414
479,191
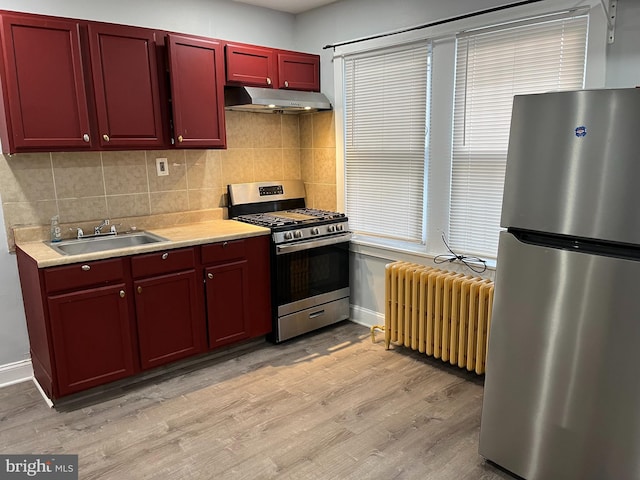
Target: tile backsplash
x,y
87,186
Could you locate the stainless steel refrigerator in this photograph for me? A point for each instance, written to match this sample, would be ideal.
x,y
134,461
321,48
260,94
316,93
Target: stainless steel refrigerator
x,y
562,388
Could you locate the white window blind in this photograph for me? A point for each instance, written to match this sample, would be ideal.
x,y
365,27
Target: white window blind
x,y
491,67
385,128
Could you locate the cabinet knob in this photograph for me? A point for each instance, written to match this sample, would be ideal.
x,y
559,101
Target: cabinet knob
x,y
122,294
105,137
139,289
225,244
268,81
209,276
85,137
180,138
85,268
286,84
165,256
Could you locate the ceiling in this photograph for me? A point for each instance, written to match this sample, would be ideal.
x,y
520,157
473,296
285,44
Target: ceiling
x,y
290,6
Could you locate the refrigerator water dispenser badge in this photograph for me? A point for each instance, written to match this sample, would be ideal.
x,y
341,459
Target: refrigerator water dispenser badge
x,y
581,131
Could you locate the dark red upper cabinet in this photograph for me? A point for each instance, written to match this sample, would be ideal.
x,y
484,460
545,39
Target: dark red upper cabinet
x,y
125,79
299,71
196,70
249,65
45,100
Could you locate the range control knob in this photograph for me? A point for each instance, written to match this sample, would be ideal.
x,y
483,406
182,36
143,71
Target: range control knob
x,y
340,227
297,234
332,228
288,235
315,231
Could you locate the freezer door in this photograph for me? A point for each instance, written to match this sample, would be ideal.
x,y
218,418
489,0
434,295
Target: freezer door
x,y
573,164
562,395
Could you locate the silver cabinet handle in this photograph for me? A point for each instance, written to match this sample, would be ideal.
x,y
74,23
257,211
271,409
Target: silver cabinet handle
x,y
286,84
85,137
209,276
225,244
165,256
268,81
85,268
122,294
139,289
105,137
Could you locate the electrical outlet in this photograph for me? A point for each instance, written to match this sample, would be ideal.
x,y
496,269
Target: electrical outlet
x,y
162,167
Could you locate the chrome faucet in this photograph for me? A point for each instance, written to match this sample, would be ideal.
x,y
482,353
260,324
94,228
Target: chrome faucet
x,y
98,230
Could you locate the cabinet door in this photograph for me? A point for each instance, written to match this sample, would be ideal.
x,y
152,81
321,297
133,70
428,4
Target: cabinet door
x,y
90,331
45,97
170,324
299,71
250,65
197,89
125,79
227,290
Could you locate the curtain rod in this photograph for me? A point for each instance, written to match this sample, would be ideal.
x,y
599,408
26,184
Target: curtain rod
x,y
433,24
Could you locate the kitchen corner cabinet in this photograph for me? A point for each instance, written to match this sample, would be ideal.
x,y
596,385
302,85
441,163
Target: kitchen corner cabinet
x,y
196,68
45,100
270,68
169,315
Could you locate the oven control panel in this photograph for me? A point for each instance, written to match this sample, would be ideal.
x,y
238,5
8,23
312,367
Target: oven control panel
x,y
270,190
309,233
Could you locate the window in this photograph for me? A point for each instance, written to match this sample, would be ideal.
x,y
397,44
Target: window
x,y
492,66
386,107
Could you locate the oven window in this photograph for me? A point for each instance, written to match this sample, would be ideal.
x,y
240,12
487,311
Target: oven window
x,y
312,272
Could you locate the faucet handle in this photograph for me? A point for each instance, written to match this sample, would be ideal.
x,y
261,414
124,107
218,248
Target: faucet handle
x,y
79,232
113,228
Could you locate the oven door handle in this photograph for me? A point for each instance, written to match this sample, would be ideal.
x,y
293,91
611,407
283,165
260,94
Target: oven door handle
x,y
321,242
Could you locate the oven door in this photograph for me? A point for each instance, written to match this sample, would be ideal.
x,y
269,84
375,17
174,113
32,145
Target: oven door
x,y
311,280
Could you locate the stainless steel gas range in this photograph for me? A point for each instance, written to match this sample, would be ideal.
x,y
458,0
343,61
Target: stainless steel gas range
x,y
309,255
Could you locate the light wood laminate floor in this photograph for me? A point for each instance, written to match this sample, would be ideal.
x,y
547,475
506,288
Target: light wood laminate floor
x,y
328,405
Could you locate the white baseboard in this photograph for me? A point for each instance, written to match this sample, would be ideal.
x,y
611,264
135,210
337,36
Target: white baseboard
x,y
15,372
366,317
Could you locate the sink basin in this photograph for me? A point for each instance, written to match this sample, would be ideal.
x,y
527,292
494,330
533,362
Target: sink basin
x,y
101,244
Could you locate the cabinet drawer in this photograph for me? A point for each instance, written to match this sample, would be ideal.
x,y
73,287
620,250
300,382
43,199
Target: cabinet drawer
x,y
217,252
162,262
83,274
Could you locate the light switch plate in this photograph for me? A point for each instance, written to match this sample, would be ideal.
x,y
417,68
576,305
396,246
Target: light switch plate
x,y
162,167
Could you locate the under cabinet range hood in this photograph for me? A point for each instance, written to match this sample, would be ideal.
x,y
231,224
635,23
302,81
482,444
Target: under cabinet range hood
x,y
269,100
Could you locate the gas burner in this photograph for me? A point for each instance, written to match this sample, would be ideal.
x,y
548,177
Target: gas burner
x,y
317,213
266,220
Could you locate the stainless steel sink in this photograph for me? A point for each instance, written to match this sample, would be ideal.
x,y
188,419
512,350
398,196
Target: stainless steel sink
x,y
101,244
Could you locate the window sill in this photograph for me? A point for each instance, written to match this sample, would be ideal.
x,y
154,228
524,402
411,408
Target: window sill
x,y
393,250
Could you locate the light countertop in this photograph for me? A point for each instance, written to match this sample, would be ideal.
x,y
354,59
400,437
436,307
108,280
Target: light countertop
x,y
177,236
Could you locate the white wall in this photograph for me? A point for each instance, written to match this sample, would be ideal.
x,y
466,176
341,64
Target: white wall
x,y
623,69
222,19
